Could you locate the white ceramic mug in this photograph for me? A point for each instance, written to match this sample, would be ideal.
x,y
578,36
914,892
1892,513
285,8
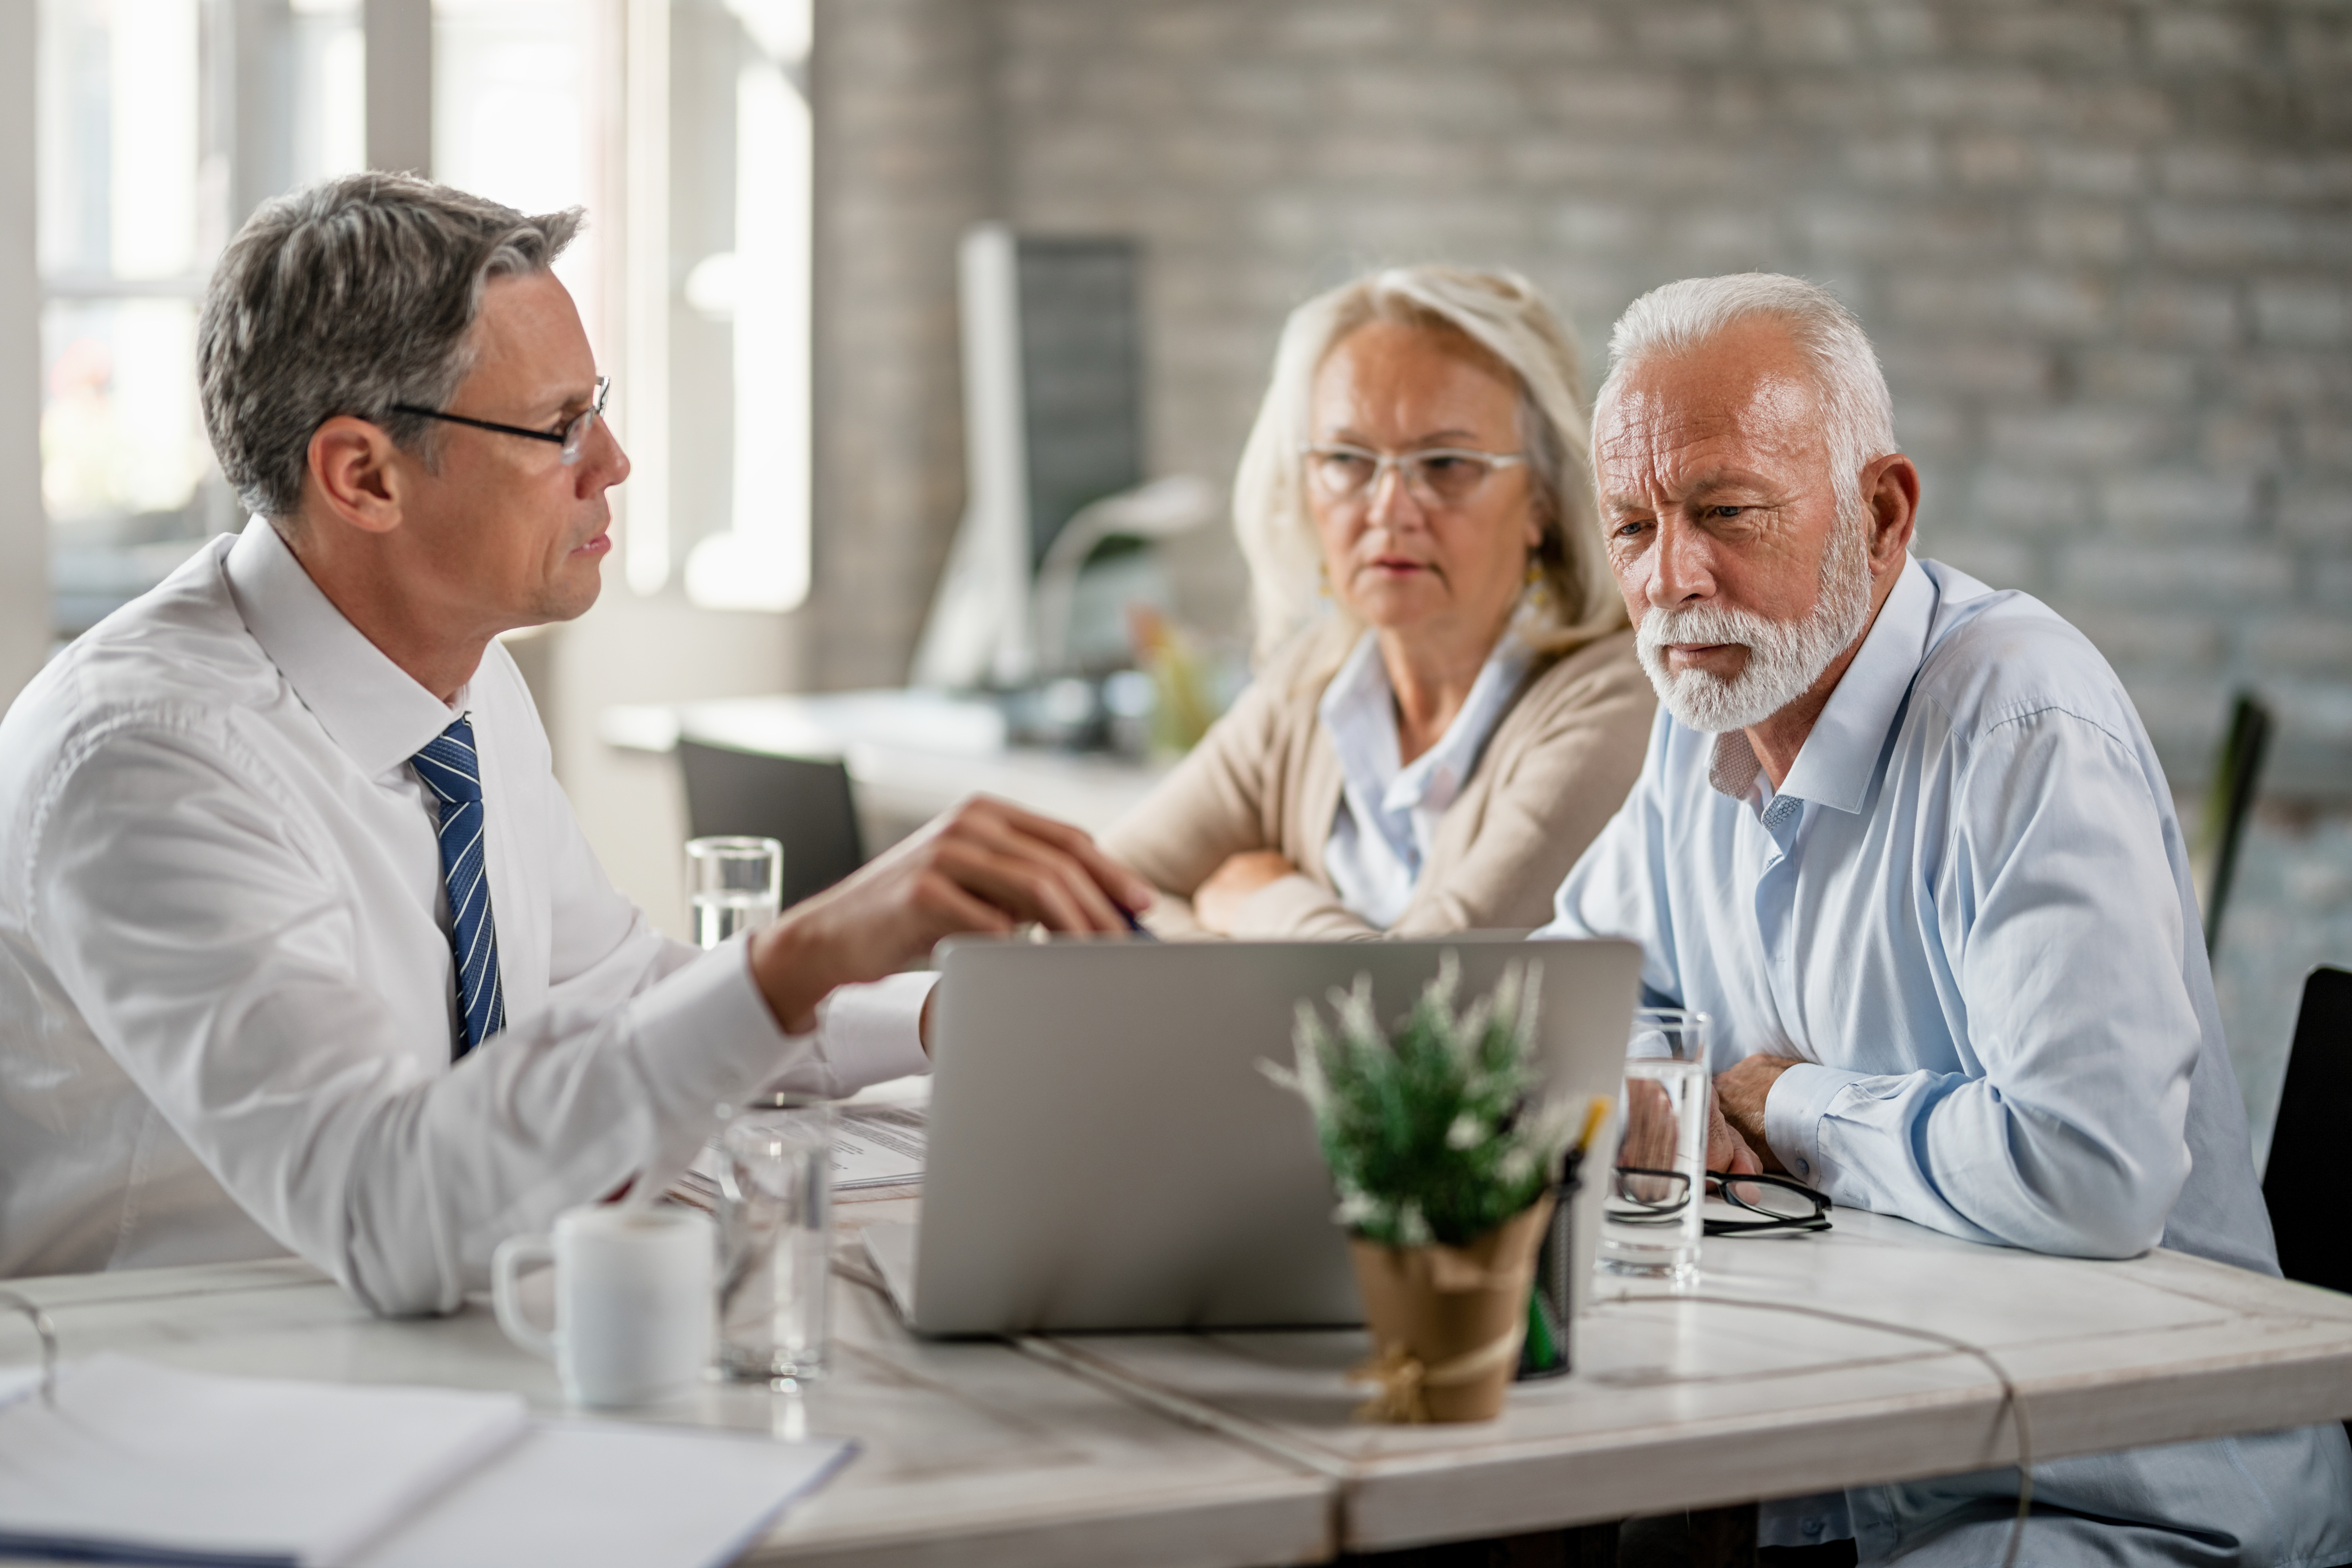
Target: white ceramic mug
x,y
633,1320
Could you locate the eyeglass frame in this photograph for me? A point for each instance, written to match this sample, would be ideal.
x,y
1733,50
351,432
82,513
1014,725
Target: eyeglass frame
x,y
1403,463
1722,1182
572,438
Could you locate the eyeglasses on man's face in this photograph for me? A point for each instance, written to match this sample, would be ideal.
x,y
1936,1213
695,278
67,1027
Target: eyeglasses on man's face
x,y
1433,476
572,438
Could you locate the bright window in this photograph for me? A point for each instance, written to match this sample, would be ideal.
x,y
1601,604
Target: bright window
x,y
149,147
728,315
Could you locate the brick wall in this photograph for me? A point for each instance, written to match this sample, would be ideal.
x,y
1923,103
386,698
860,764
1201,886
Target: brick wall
x,y
2104,248
902,91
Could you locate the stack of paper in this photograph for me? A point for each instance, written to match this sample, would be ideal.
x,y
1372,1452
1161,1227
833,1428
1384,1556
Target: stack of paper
x,y
141,1459
141,1463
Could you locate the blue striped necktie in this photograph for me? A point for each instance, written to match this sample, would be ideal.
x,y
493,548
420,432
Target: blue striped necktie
x,y
449,770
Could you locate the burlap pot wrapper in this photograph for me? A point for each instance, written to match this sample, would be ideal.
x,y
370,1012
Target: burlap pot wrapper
x,y
1446,1322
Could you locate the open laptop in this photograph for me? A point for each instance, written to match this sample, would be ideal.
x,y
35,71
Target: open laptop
x,y
1106,1153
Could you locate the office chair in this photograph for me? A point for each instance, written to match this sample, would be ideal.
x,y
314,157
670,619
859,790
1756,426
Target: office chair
x,y
2306,1217
2229,802
803,804
2299,1185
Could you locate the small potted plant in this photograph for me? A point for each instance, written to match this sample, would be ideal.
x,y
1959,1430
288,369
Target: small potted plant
x,y
1444,1162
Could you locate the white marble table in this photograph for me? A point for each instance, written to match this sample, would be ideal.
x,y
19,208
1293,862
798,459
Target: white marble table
x,y
1237,1448
969,1453
1699,1403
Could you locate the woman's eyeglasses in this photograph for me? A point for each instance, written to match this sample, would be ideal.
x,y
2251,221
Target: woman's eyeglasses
x,y
573,435
1435,476
1778,1203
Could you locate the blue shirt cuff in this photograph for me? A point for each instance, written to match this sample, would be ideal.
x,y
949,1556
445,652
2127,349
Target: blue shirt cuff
x,y
1792,1116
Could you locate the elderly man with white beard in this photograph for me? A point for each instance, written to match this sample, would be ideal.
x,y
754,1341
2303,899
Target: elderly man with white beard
x,y
1905,840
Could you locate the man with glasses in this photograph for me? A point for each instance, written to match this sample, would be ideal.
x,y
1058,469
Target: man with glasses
x,y
301,947
1905,840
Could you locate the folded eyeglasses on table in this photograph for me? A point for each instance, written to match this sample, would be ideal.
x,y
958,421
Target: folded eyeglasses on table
x,y
1780,1204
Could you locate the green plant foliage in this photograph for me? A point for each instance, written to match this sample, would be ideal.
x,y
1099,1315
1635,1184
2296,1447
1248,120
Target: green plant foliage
x,y
1433,1135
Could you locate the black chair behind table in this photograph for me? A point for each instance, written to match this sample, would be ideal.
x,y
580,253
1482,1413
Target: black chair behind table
x,y
2302,1182
803,804
2315,1245
2229,802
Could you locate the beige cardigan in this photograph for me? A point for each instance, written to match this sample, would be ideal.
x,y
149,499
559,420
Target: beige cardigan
x,y
1557,767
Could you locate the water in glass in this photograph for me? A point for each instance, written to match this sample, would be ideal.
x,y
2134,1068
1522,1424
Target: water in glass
x,y
775,1225
721,915
1653,1220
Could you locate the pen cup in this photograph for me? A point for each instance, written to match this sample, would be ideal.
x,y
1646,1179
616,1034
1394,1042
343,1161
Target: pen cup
x,y
1551,1305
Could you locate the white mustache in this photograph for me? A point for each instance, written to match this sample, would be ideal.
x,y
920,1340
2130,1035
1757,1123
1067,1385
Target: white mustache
x,y
1703,624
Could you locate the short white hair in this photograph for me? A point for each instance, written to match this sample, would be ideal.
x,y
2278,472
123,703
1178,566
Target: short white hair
x,y
1503,315
1677,318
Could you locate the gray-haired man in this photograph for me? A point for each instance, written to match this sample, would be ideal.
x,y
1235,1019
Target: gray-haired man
x,y
301,947
1905,839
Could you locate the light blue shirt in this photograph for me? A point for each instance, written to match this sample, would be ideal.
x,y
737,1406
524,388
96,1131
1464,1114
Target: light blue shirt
x,y
1967,910
1389,811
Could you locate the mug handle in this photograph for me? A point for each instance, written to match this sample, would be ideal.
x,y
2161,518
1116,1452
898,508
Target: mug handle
x,y
514,1254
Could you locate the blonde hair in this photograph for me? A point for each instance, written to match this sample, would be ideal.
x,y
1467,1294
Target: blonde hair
x,y
1501,313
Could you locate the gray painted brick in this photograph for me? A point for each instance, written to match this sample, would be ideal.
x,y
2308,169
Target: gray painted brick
x,y
2115,572
2200,38
2236,235
2303,312
2177,504
2001,562
2094,169
2051,504
2168,642
2318,643
2319,511
2102,247
2097,438
2164,378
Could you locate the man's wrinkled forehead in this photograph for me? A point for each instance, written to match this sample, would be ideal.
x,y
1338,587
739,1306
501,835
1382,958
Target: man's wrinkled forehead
x,y
1743,399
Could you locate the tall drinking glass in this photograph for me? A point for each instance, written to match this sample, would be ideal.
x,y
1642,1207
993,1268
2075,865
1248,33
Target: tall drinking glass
x,y
735,884
1653,1220
775,1235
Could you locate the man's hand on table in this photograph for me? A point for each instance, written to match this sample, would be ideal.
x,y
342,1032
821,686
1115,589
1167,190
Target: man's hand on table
x,y
1739,1095
984,865
1217,902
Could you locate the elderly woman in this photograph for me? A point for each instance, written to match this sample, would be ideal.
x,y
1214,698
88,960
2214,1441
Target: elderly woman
x,y
1448,705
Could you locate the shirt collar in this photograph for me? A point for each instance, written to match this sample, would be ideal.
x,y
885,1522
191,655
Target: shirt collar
x,y
1358,711
368,705
1834,765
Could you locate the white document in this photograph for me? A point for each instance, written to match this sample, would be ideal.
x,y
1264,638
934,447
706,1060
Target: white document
x,y
606,1495
138,1457
874,1145
879,1145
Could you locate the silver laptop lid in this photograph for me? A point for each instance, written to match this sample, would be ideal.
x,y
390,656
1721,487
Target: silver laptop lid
x,y
1105,1154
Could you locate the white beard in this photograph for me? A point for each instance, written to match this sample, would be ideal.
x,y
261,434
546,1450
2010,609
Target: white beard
x,y
1784,658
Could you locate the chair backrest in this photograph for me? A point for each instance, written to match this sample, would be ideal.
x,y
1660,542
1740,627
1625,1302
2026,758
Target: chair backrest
x,y
2229,802
803,804
2299,1184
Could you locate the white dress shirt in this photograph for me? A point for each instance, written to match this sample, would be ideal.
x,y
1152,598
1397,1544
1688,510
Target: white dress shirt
x,y
1967,910
227,999
1389,810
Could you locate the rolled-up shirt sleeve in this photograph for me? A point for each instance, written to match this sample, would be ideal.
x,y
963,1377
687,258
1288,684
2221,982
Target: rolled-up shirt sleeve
x,y
2065,934
208,947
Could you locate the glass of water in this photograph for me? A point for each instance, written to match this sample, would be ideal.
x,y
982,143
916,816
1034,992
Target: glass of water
x,y
736,885
775,1236
1653,1222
